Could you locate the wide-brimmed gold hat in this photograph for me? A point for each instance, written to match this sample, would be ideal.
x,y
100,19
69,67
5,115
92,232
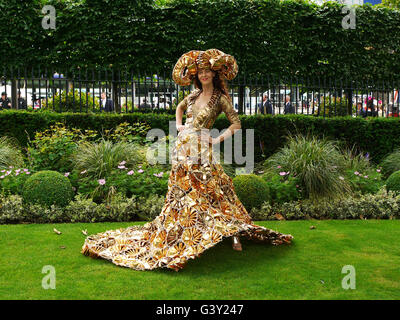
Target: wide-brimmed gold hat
x,y
188,64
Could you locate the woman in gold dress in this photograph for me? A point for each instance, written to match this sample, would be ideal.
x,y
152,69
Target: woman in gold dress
x,y
201,207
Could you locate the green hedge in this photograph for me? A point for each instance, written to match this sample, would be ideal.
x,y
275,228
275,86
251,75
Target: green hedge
x,y
377,136
268,37
382,205
14,210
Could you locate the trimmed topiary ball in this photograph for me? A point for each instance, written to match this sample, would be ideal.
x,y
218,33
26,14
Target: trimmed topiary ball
x,y
393,182
252,190
47,188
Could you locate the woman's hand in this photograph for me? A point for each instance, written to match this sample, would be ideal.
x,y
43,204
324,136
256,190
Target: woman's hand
x,y
207,138
180,128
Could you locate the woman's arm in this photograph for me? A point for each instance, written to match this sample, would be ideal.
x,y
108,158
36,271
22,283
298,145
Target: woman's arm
x,y
233,118
182,106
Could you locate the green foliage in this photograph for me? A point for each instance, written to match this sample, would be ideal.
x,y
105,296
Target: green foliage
x,y
97,167
181,95
48,188
283,188
14,210
126,132
134,181
12,180
382,205
311,43
150,207
251,190
367,182
360,173
72,102
390,3
316,163
141,181
376,136
52,149
391,163
393,182
10,155
98,159
333,106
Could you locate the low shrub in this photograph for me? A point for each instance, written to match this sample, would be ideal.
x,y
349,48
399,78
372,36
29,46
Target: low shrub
x,y
393,182
14,210
48,188
382,205
252,190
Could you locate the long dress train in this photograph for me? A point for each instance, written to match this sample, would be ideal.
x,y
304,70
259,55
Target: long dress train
x,y
200,210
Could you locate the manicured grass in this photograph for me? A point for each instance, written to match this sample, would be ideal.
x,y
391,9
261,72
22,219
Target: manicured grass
x,y
310,268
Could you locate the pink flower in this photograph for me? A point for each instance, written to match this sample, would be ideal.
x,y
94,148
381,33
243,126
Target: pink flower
x,y
66,174
130,172
2,177
279,167
297,185
356,173
18,170
122,163
283,173
140,166
11,167
158,174
17,173
84,171
378,170
28,172
121,167
102,181
366,177
3,170
140,171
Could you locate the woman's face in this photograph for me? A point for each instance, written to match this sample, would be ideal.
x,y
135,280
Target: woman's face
x,y
205,76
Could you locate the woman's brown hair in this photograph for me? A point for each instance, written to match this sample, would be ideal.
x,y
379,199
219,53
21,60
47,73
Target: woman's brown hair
x,y
217,82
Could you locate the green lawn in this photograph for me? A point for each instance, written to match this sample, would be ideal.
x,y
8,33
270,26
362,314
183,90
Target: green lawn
x,y
310,268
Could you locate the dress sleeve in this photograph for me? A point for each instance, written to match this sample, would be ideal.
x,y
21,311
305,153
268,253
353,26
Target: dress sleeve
x,y
229,111
183,104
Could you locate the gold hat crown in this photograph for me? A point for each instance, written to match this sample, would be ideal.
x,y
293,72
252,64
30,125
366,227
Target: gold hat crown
x,y
188,64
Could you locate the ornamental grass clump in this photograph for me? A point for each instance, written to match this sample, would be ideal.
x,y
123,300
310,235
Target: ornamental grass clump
x,y
317,164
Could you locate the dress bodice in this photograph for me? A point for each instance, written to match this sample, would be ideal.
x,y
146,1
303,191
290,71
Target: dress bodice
x,y
204,117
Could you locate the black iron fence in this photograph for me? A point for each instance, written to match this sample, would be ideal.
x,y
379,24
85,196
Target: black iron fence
x,y
124,92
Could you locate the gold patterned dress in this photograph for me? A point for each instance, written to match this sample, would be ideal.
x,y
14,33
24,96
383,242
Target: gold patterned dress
x,y
201,207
